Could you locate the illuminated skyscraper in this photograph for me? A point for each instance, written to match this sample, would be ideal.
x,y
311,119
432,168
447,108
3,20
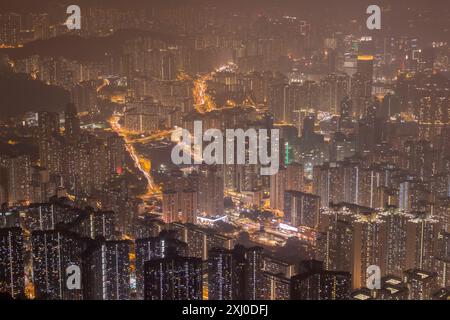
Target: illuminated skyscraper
x,y
19,179
295,179
236,274
276,266
361,85
353,240
422,233
93,224
200,240
277,189
253,273
107,270
46,216
368,244
52,253
210,191
41,25
420,158
189,205
336,241
315,283
181,206
155,248
116,155
173,278
327,183
41,217
279,102
365,66
12,276
168,67
432,106
421,284
351,181
276,286
103,224
442,267
71,123
10,27
345,112
301,209
49,141
395,243
170,206
220,274
100,224
333,89
442,263
48,124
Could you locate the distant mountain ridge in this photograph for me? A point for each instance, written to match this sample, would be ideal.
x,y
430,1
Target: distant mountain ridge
x,y
80,48
20,94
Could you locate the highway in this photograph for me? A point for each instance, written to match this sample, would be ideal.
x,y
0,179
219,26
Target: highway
x,y
142,164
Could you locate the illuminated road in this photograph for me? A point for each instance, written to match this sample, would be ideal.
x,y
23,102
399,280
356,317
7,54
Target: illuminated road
x,y
202,100
105,83
141,163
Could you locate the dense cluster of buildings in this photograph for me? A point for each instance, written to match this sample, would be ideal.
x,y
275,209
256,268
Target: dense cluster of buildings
x,y
363,179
